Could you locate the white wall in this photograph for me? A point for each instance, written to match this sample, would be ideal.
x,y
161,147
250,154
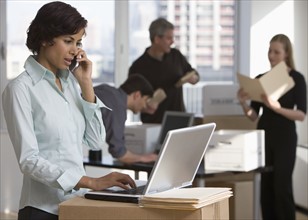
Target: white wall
x,y
11,177
301,56
300,177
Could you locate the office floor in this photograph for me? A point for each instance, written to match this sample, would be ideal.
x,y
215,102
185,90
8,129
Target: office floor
x,y
8,216
299,216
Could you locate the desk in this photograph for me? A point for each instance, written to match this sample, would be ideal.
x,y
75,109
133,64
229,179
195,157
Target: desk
x,y
200,180
81,208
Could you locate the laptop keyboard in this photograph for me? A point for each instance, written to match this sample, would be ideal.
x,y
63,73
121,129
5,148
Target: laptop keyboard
x,y
133,191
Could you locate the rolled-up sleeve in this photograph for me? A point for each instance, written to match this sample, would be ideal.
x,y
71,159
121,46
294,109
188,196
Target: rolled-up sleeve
x,y
69,179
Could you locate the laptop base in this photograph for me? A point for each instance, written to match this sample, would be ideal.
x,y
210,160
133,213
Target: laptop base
x,y
111,198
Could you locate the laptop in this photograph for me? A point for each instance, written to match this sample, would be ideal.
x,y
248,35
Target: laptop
x,y
176,166
173,120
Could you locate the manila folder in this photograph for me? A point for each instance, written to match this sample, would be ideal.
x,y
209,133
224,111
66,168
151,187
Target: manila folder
x,y
274,83
185,198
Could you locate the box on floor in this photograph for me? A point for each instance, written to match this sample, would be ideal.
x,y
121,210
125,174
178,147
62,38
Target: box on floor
x,y
241,203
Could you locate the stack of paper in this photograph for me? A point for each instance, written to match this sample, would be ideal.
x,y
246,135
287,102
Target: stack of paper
x,y
185,198
274,83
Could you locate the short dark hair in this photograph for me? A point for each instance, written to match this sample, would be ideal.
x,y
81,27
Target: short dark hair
x,y
53,20
137,82
159,27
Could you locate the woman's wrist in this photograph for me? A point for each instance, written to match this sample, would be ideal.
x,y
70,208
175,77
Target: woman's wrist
x,y
247,109
243,103
85,182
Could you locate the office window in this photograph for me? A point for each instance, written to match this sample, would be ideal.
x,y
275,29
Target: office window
x,y
98,43
204,32
140,18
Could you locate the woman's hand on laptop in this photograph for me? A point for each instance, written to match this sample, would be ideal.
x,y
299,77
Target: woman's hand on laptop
x,y
112,179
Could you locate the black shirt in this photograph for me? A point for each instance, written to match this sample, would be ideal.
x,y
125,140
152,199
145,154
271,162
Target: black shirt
x,y
297,96
163,74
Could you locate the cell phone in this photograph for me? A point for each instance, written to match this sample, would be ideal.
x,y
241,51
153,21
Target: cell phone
x,y
73,64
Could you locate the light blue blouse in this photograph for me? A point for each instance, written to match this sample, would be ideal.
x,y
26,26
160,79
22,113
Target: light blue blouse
x,y
48,128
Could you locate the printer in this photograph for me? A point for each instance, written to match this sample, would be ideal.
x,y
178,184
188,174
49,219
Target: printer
x,y
235,150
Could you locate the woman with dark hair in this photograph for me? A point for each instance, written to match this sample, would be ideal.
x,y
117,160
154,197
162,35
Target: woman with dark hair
x,y
49,121
278,121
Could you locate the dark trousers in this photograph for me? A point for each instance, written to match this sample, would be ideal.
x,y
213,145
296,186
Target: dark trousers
x,y
277,200
30,213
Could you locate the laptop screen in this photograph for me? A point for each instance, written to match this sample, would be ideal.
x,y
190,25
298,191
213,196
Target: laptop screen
x,y
179,158
174,120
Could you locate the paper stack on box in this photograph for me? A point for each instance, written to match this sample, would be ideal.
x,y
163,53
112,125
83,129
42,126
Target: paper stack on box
x,y
185,198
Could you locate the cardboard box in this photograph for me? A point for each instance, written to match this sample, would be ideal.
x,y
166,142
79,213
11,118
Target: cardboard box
x,y
81,208
235,150
221,99
142,138
220,105
230,122
241,203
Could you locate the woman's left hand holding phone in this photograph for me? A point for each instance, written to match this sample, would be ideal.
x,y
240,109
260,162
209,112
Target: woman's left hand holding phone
x,y
83,74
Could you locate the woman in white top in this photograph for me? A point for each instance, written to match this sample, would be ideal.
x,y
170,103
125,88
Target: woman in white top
x,y
49,116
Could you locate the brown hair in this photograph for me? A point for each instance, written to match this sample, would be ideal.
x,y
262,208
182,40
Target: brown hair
x,y
287,46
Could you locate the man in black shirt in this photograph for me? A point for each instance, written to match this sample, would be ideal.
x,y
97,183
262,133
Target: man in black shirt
x,y
163,67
